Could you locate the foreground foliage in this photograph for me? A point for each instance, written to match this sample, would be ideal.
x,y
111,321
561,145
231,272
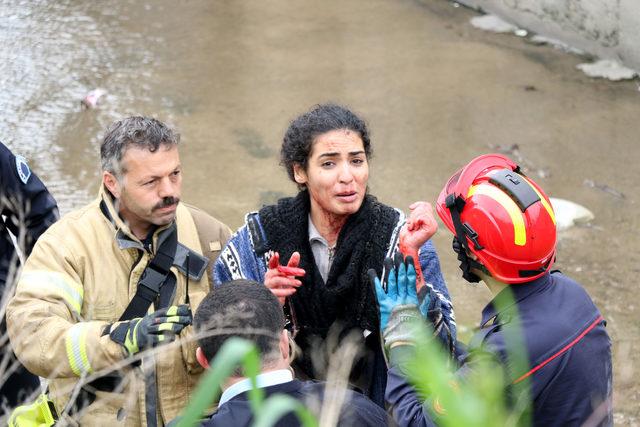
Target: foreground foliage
x,y
477,398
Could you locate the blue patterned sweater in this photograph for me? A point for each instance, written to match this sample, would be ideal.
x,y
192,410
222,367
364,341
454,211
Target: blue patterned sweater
x,y
239,259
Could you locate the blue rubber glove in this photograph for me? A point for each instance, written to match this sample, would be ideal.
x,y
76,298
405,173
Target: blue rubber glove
x,y
401,286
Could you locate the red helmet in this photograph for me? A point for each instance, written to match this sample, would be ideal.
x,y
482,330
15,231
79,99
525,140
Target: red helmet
x,y
502,217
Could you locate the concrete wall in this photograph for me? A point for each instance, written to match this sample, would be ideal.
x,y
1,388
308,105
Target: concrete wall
x,y
608,29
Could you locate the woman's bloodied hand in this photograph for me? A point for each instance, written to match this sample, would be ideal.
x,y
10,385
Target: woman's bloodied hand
x,y
281,279
419,228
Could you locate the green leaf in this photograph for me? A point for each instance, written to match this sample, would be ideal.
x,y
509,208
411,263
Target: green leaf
x,y
478,398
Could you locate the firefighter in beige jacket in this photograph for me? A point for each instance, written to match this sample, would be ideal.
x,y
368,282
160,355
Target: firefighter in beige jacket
x,y
84,271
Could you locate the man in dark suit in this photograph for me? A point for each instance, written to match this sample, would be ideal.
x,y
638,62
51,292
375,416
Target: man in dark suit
x,y
249,310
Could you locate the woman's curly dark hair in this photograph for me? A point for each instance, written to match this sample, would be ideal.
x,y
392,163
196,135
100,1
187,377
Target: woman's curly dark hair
x,y
299,137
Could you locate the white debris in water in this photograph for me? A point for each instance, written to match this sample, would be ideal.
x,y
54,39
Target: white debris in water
x,y
608,69
493,23
569,213
91,99
558,44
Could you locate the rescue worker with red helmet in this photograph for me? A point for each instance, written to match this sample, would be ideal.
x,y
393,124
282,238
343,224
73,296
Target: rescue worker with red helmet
x,y
505,236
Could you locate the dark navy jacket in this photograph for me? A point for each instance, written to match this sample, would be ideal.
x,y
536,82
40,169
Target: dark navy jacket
x,y
568,348
29,209
357,410
29,200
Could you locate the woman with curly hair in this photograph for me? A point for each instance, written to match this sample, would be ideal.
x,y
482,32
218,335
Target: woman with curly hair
x,y
331,234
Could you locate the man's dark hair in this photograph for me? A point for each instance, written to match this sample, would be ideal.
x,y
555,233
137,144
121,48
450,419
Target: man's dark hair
x,y
138,131
240,308
299,137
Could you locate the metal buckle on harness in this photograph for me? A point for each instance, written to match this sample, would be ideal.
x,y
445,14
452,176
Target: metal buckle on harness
x,y
150,282
152,279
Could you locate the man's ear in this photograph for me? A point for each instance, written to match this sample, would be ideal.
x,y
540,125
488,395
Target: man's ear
x,y
284,344
112,183
202,359
299,174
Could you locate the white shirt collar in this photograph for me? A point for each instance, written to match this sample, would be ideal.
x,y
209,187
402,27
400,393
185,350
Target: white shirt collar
x,y
314,234
263,380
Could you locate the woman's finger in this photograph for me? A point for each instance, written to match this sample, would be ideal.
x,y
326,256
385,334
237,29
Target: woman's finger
x,y
415,205
294,261
291,271
282,281
283,293
274,261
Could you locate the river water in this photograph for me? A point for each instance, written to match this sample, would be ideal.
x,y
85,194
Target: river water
x,y
435,91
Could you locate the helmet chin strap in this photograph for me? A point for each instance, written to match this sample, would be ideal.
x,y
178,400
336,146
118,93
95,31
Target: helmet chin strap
x,y
460,244
467,263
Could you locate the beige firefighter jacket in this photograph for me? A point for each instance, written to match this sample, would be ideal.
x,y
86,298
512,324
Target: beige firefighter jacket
x,y
79,278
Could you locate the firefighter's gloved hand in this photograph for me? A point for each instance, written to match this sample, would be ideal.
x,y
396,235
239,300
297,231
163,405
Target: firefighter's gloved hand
x,y
155,328
400,289
400,328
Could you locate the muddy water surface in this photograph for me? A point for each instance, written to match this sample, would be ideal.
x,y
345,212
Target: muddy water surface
x,y
436,92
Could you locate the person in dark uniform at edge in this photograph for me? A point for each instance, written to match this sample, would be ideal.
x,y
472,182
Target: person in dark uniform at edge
x,y
26,210
505,235
242,305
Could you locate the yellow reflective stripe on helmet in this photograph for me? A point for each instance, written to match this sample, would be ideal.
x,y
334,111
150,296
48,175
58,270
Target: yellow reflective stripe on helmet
x,y
71,293
519,230
546,204
76,343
